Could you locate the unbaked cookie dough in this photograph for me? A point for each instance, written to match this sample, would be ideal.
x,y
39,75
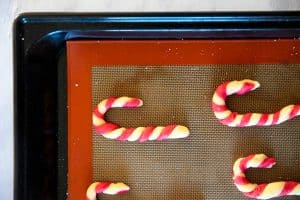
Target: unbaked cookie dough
x,y
106,188
261,191
113,131
234,119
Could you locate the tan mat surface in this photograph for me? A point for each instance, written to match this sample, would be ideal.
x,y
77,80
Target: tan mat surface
x,y
200,166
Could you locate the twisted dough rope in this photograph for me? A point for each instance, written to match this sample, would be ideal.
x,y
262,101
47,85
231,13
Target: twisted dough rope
x,y
105,188
229,118
113,131
261,191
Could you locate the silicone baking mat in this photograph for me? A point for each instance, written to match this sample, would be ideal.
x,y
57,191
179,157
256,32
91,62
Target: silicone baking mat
x,y
200,166
176,80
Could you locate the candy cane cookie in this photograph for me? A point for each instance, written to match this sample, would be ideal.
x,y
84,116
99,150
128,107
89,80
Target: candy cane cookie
x,y
141,134
234,119
261,191
106,188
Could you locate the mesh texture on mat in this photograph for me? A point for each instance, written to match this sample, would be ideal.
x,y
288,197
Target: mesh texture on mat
x,y
200,166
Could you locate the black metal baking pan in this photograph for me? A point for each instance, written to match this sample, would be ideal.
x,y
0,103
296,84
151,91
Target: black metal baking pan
x,y
40,75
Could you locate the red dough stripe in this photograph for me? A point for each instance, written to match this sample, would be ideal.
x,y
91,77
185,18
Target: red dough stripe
x,y
246,88
126,134
275,118
288,187
245,119
294,111
256,192
110,102
241,180
98,188
218,108
106,128
221,90
267,163
122,191
102,187
229,119
166,132
146,134
97,113
263,119
244,162
132,104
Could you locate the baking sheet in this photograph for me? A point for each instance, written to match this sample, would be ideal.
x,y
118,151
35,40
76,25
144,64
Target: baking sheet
x,y
200,166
